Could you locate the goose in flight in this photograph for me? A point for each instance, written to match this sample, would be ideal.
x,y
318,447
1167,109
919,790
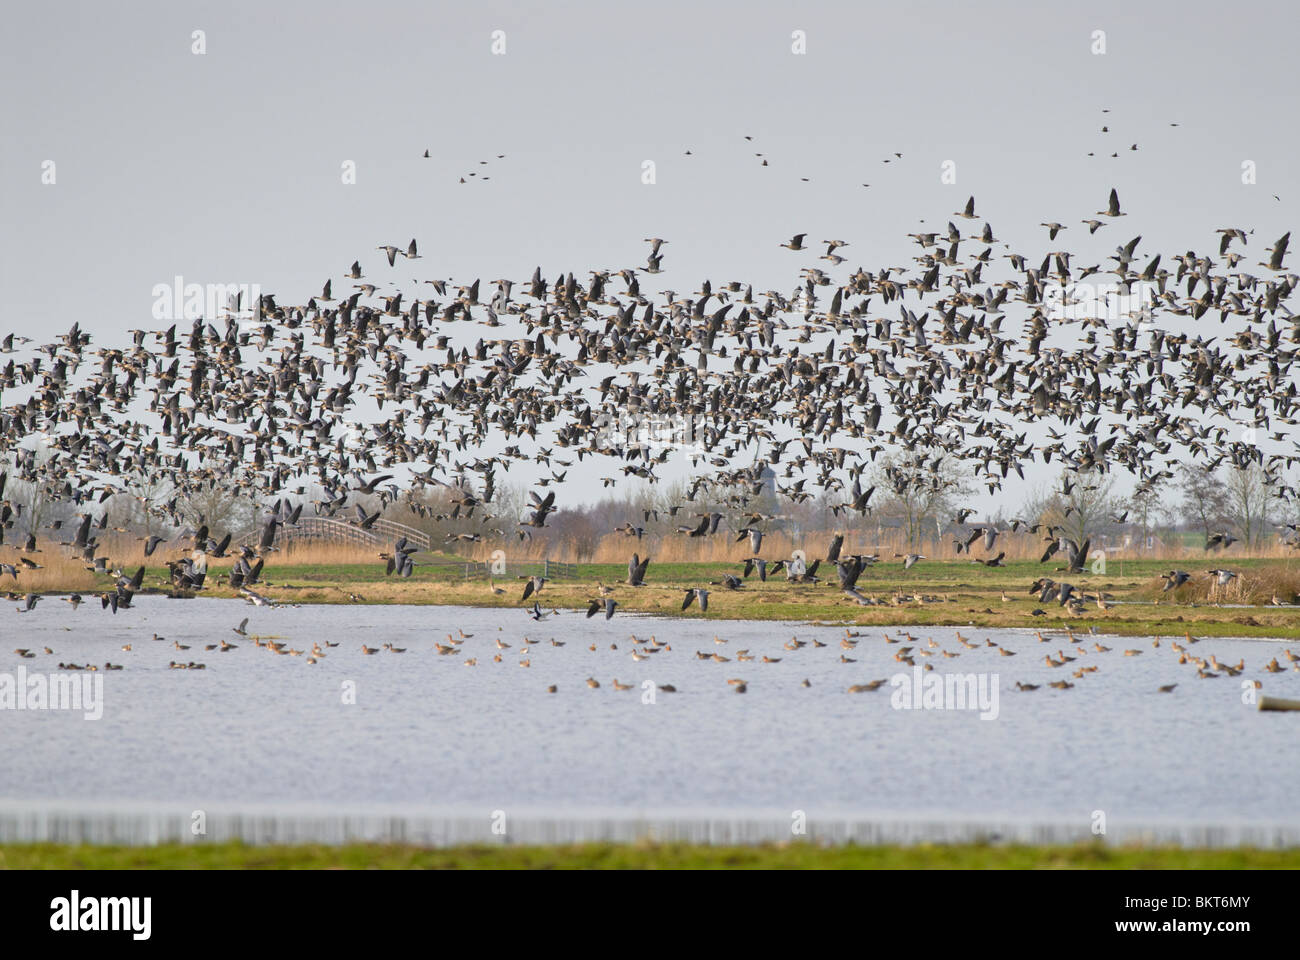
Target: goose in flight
x,y
541,508
1278,252
1222,577
696,593
1112,209
636,570
755,540
1217,540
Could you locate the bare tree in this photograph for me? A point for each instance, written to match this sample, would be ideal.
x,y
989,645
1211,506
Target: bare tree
x,y
1249,504
922,499
1205,498
29,490
1146,509
1038,501
224,507
1082,511
140,498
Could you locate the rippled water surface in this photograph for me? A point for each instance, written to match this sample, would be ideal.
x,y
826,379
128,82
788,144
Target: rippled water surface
x,y
425,730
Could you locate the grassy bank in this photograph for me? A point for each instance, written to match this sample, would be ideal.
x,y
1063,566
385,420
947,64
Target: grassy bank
x,y
932,593
638,857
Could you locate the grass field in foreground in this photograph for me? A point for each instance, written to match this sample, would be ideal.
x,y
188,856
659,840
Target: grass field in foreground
x,y
795,856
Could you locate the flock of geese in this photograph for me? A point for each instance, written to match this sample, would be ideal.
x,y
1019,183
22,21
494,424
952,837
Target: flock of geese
x,y
919,360
356,403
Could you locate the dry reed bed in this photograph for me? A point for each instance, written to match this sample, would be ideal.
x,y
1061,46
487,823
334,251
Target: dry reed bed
x,y
1255,586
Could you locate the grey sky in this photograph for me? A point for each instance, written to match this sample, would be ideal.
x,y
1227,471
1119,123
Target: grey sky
x,y
226,167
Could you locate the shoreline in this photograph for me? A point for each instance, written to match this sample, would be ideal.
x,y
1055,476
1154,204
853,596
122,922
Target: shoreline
x,y
965,611
938,595
126,825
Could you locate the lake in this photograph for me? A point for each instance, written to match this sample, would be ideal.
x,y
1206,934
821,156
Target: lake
x,y
420,738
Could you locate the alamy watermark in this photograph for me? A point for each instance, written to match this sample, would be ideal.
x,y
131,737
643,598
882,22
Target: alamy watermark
x,y
75,913
54,691
1098,301
179,300
921,690
654,432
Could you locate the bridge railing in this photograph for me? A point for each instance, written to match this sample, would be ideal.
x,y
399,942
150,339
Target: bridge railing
x,y
394,531
327,529
383,533
505,570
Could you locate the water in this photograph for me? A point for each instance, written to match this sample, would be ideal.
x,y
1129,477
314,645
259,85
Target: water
x,y
257,734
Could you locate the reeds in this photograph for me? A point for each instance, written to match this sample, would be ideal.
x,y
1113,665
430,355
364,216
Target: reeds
x,y
1251,587
58,573
62,571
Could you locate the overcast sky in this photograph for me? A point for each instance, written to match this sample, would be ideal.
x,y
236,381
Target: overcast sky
x,y
226,167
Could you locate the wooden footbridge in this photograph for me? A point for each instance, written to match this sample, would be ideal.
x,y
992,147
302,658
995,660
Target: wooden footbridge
x,y
382,534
